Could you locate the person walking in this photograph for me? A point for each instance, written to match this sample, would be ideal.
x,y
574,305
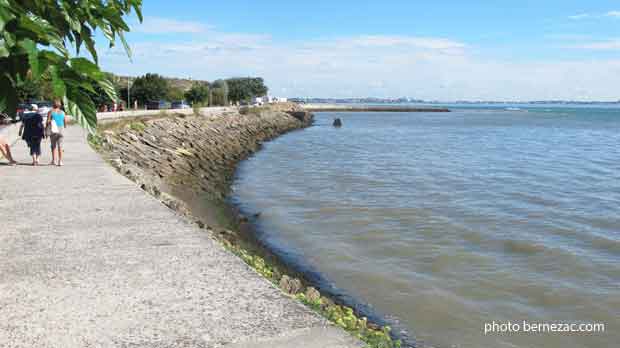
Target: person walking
x,y
5,150
56,123
32,131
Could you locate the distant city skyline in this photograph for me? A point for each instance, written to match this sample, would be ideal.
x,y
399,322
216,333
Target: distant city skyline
x,y
559,50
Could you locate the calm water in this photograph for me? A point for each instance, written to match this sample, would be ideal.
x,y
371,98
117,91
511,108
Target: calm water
x,y
448,221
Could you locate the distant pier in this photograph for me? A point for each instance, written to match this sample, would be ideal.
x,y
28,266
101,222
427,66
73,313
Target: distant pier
x,y
369,108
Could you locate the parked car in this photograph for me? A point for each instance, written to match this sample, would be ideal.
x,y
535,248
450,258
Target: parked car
x,y
158,105
180,104
4,118
44,108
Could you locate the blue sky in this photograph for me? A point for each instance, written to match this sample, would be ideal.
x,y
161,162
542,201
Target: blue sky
x,y
439,50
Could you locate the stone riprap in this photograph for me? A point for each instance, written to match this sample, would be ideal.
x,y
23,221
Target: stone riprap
x,y
88,259
195,154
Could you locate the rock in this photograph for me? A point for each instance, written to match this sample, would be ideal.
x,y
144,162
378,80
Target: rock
x,y
117,163
303,116
326,302
337,122
227,233
174,204
312,294
291,286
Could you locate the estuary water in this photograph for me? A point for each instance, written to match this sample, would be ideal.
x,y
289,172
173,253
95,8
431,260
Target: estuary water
x,y
445,222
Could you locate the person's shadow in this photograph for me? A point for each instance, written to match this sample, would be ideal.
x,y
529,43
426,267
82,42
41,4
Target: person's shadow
x,y
7,164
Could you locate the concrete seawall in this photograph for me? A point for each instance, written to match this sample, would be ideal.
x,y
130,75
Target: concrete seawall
x,y
89,259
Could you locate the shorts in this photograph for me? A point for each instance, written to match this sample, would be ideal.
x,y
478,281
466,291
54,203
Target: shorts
x,y
56,140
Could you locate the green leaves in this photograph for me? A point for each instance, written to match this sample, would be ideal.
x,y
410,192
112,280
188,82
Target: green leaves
x,y
4,51
34,36
108,87
198,94
86,68
82,108
33,55
5,14
243,89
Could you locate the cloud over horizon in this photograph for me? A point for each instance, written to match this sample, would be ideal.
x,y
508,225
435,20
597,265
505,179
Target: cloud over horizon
x,y
585,15
431,68
159,25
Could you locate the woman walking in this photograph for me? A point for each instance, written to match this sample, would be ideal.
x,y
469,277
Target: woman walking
x,y
5,150
56,121
32,132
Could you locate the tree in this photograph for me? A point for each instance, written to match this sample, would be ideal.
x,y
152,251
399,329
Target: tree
x,y
99,95
198,94
175,93
243,89
34,40
219,93
150,87
28,90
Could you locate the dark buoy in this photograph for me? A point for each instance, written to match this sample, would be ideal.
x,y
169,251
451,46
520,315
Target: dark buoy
x,y
337,122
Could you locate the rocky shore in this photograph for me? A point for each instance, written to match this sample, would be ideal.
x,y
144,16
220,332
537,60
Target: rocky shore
x,y
195,156
188,163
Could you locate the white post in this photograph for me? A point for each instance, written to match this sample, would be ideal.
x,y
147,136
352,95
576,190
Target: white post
x,y
128,93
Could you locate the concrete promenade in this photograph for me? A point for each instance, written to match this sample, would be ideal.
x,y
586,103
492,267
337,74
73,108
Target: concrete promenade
x,y
87,259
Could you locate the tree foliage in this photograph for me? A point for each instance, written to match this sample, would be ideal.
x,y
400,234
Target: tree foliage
x,y
36,37
150,87
28,90
219,93
198,94
175,93
100,97
244,89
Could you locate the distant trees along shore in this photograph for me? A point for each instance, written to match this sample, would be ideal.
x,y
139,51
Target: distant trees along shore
x,y
151,87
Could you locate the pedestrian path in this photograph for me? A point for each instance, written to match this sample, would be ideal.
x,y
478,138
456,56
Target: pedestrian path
x,y
87,259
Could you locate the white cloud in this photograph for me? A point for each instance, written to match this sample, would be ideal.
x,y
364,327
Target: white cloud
x,y
158,25
598,45
371,65
613,14
420,42
580,16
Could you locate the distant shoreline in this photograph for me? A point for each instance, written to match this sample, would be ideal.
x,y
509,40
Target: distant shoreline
x,y
369,108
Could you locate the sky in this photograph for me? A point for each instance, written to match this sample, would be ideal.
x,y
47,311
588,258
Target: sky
x,y
431,50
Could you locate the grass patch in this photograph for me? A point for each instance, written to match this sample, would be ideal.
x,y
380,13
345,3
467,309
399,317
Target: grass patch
x,y
251,110
95,141
341,316
196,107
137,126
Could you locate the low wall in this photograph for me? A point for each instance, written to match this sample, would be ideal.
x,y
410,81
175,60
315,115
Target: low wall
x,y
10,132
107,116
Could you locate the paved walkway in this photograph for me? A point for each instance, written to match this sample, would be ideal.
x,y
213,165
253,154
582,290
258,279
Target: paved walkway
x,y
87,259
